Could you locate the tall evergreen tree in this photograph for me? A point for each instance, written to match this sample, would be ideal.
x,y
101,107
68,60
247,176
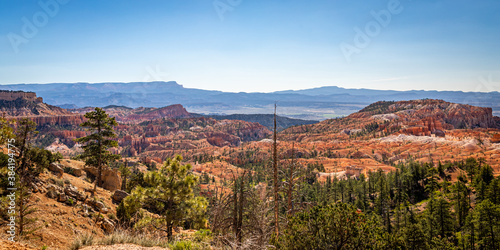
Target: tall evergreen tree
x,y
169,193
486,218
96,145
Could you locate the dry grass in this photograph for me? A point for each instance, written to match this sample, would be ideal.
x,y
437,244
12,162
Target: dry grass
x,y
144,240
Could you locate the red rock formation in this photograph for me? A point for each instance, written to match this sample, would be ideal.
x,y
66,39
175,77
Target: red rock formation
x,y
69,134
496,138
222,139
63,120
18,103
172,111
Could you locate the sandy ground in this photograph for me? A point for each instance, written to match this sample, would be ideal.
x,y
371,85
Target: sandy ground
x,y
121,247
8,245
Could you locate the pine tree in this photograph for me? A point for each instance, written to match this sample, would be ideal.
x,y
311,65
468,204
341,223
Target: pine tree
x,y
169,193
486,218
461,200
96,146
443,218
125,173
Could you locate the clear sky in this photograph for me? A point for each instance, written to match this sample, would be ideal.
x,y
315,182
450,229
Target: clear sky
x,y
254,45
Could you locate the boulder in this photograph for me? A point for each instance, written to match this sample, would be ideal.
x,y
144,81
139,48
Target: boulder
x,y
111,179
78,172
119,195
56,168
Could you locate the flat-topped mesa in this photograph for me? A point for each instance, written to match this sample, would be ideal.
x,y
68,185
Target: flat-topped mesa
x,y
8,95
19,104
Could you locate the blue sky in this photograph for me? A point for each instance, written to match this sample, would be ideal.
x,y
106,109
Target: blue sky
x,y
254,45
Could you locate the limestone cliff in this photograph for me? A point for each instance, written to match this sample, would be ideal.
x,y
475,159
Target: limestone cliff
x,y
19,103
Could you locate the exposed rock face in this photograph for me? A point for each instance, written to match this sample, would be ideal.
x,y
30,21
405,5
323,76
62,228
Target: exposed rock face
x,y
425,127
14,95
187,133
61,120
497,121
467,116
222,139
426,117
19,103
69,134
125,114
172,111
111,179
496,138
457,115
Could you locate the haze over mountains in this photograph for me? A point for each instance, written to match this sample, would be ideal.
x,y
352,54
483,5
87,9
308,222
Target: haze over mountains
x,y
315,104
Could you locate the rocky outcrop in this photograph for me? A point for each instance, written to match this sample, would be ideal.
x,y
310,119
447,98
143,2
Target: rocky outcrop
x,y
222,139
69,134
72,191
14,95
496,138
65,194
56,168
467,116
457,115
497,121
425,127
18,103
61,120
427,117
111,179
172,111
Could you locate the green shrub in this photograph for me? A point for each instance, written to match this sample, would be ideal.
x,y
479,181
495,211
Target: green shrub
x,y
182,245
69,170
203,235
70,202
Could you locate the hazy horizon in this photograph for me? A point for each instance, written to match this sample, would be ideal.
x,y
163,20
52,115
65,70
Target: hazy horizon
x,y
255,46
280,90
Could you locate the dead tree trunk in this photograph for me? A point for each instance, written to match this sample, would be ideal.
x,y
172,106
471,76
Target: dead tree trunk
x,y
275,169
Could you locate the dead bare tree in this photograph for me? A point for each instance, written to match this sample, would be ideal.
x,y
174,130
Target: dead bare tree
x,y
275,172
290,182
240,217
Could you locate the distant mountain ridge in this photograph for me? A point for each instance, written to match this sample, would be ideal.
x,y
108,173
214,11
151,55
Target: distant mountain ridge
x,y
313,104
